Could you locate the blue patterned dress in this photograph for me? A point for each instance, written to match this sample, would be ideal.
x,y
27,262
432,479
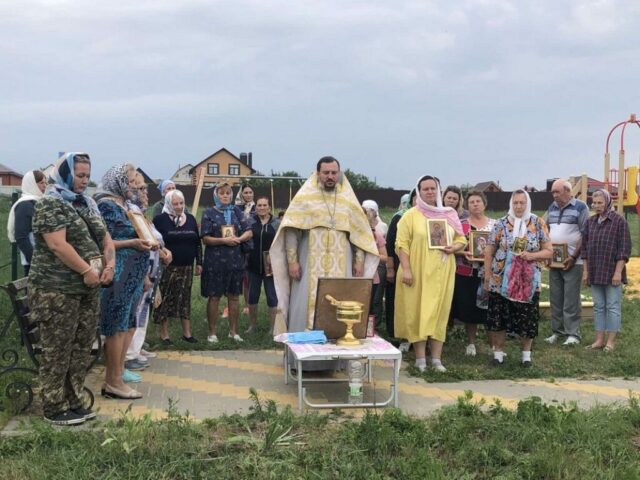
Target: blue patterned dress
x,y
223,266
118,301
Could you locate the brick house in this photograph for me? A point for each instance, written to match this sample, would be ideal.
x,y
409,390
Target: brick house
x,y
9,177
223,163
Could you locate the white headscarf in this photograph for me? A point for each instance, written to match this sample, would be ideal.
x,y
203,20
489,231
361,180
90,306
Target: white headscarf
x,y
520,223
178,220
30,191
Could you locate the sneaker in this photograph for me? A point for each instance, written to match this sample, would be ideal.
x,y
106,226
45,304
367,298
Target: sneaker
x,y
236,337
225,313
148,354
526,364
439,368
496,363
212,339
135,365
404,347
571,340
190,339
421,368
471,350
552,339
131,377
65,418
87,413
250,330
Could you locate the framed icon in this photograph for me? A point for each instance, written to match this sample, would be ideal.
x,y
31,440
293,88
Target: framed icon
x,y
560,254
477,243
228,231
142,227
96,264
437,234
353,289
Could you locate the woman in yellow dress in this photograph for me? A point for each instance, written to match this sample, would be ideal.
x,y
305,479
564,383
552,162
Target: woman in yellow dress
x,y
424,294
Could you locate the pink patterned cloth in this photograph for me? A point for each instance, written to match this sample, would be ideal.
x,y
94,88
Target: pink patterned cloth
x,y
520,288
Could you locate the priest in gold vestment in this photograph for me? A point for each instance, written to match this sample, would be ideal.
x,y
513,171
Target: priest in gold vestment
x,y
324,233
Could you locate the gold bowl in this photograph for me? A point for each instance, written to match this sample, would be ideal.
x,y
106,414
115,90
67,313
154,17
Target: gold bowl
x,y
348,312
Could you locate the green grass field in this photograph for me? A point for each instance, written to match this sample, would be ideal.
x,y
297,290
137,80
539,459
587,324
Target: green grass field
x,y
463,441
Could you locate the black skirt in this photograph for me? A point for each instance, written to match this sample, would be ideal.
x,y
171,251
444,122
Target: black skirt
x,y
464,301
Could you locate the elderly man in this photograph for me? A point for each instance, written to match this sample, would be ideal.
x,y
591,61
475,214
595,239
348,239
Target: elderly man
x,y
566,218
324,233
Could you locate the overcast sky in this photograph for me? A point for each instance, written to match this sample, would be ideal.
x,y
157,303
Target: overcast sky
x,y
514,91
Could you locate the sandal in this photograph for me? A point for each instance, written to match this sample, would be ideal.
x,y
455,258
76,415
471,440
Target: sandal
x,y
593,347
608,348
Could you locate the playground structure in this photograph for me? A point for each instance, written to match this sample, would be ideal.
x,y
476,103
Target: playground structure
x,y
622,183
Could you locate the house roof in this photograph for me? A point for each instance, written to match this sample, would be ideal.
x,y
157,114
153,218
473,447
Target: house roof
x,y
193,169
147,179
482,186
187,167
9,171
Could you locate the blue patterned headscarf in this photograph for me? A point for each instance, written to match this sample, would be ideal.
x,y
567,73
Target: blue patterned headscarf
x,y
63,176
225,209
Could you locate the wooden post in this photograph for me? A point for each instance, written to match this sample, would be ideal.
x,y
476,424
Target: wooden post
x,y
584,187
273,198
196,198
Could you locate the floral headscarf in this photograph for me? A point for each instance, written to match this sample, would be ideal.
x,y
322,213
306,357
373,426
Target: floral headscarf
x,y
247,207
115,183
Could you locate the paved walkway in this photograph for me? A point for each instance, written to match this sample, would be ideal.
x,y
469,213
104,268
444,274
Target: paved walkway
x,y
209,384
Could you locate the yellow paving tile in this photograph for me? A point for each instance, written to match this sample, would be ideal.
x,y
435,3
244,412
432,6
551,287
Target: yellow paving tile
x,y
115,409
583,387
420,390
215,388
447,394
222,362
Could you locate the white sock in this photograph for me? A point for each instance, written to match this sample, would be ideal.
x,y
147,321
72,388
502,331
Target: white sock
x,y
526,356
498,356
436,362
421,362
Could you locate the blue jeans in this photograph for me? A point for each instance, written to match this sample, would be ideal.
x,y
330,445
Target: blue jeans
x,y
607,313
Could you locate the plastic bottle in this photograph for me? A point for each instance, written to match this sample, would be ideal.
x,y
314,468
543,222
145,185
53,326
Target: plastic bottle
x,y
356,373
